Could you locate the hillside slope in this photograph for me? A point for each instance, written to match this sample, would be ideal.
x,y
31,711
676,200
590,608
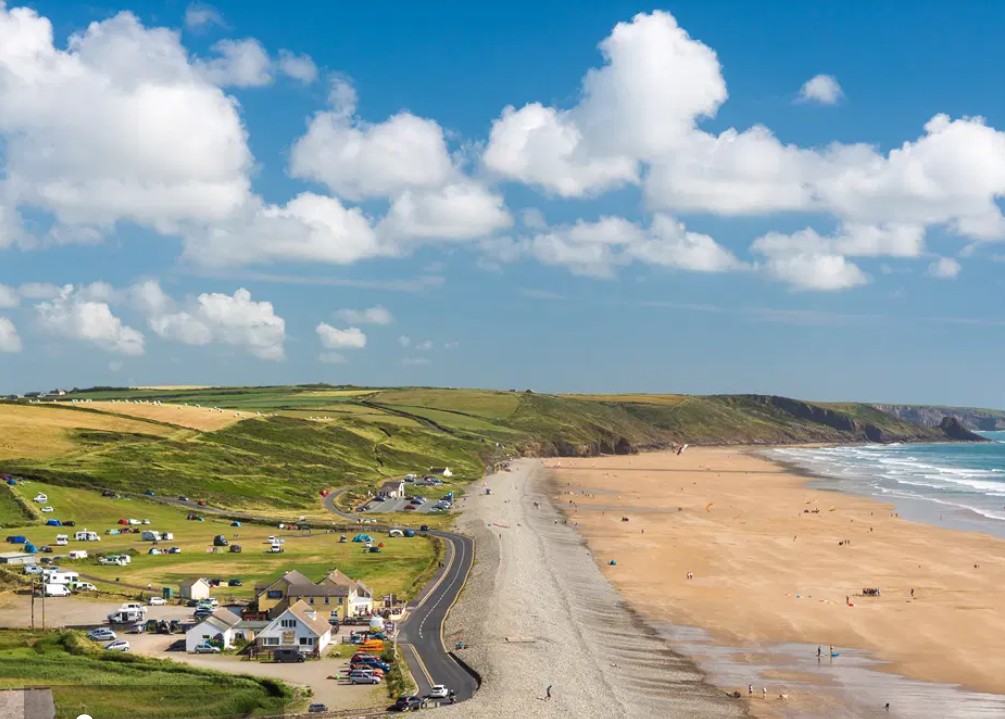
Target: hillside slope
x,y
982,420
294,441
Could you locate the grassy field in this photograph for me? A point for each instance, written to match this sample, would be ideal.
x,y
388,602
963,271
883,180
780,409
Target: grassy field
x,y
204,419
41,431
394,570
112,685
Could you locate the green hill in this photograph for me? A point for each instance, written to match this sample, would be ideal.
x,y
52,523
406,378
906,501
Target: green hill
x,y
298,440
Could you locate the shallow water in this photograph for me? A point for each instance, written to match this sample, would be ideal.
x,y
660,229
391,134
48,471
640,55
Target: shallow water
x,y
850,685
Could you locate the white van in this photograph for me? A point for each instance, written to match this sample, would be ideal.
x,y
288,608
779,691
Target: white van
x,y
78,554
61,578
57,590
62,540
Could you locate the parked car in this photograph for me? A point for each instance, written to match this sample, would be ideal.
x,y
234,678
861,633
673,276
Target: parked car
x,y
41,498
424,528
288,655
206,648
215,582
32,569
201,614
407,704
235,548
120,645
438,691
48,508
317,708
201,502
157,601
183,498
108,493
102,634
363,678
174,550
84,587
234,583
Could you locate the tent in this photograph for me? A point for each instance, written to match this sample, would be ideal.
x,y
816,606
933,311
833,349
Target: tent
x,y
235,523
17,539
12,482
362,538
30,548
53,523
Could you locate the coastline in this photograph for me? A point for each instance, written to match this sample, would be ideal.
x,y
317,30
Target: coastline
x,y
754,551
537,612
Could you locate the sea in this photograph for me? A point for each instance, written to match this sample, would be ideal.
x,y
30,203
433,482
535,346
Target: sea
x,y
958,485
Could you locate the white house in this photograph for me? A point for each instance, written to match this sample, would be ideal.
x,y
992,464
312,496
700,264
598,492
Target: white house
x,y
218,628
299,627
194,589
392,489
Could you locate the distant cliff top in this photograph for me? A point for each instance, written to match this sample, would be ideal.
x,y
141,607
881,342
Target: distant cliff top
x,y
981,420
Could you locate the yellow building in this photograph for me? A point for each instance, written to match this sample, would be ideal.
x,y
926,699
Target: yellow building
x,y
336,594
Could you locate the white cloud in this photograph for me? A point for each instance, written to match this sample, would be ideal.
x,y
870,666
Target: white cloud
x,y
309,227
533,219
821,89
148,297
239,63
405,341
72,316
944,268
357,160
415,361
598,249
657,81
424,346
335,339
298,67
332,358
460,211
10,340
39,290
807,261
234,320
9,297
199,16
377,315
118,126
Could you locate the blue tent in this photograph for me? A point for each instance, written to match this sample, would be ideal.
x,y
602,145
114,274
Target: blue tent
x,y
235,523
30,548
53,523
17,539
362,538
12,482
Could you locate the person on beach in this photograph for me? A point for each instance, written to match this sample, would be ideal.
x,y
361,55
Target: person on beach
x,y
820,652
764,692
547,692
912,592
750,690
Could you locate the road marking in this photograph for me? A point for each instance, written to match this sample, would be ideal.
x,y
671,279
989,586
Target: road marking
x,y
458,595
463,549
422,665
446,570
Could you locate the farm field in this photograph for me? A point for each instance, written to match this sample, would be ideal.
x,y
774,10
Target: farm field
x,y
40,431
394,570
205,419
112,685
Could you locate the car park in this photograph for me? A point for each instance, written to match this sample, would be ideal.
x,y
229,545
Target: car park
x,y
102,634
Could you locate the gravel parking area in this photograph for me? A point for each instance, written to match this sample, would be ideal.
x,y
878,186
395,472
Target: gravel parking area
x,y
70,611
537,612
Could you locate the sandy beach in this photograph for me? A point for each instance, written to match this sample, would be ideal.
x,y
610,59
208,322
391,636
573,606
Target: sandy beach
x,y
774,561
537,611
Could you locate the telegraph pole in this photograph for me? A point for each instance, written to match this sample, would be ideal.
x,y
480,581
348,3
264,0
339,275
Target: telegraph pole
x,y
33,582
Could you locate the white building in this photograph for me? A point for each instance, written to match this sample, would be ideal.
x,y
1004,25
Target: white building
x,y
218,626
392,489
194,589
299,627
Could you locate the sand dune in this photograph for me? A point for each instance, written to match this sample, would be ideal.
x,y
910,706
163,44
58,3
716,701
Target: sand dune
x,y
770,564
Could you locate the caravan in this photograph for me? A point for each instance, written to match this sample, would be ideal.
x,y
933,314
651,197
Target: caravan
x,y
59,577
78,554
56,590
62,540
86,536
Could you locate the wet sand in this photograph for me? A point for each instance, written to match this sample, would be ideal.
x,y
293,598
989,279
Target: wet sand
x,y
770,568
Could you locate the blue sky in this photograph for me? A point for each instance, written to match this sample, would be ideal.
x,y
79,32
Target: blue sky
x,y
793,198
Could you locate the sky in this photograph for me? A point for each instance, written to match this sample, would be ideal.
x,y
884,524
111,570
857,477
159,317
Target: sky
x,y
792,198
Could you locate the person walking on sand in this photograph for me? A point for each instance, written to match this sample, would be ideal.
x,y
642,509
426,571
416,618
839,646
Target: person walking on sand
x,y
820,653
750,690
764,692
547,692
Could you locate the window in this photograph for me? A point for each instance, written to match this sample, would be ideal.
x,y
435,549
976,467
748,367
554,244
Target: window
x,y
306,641
271,641
310,600
275,594
340,600
326,600
288,623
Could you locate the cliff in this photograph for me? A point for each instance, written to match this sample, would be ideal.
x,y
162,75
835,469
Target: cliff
x,y
981,420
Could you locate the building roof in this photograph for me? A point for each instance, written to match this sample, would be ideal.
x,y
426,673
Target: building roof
x,y
317,624
315,590
15,555
222,619
392,484
192,582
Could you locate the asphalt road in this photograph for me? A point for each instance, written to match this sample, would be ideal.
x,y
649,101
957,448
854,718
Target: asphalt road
x,y
421,635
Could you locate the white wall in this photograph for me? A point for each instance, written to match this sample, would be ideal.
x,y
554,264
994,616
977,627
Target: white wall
x,y
203,632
